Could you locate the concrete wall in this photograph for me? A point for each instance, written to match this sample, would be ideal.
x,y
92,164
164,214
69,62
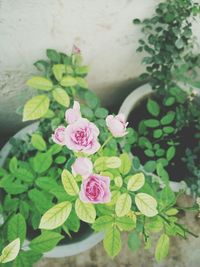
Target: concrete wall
x,y
103,30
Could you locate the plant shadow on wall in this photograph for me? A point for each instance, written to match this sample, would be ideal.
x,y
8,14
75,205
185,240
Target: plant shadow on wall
x,y
166,119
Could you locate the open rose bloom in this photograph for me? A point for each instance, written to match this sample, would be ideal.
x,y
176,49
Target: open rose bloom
x,y
82,136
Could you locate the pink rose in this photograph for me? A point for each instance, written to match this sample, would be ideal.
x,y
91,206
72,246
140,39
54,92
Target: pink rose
x,y
95,189
59,135
73,114
117,125
82,166
82,136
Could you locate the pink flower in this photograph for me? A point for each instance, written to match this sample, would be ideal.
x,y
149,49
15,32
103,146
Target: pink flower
x,y
82,136
95,189
117,125
73,114
59,135
82,166
76,50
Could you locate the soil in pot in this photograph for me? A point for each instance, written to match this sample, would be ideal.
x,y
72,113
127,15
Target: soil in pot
x,y
184,138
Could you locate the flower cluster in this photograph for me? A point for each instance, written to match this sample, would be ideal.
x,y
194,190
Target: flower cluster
x,y
81,135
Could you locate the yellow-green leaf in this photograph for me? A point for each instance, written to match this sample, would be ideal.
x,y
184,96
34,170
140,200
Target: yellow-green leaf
x,y
82,82
68,81
162,247
61,96
123,205
113,162
10,252
55,216
69,183
146,204
58,71
85,211
118,181
40,83
136,181
36,107
112,241
100,164
125,164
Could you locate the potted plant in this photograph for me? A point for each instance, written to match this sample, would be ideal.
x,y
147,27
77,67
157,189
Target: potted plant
x,y
165,112
72,171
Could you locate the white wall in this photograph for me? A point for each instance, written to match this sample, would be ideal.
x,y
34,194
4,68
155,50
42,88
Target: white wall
x,y
103,30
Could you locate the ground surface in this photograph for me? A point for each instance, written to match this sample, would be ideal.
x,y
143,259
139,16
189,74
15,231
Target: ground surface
x,y
183,253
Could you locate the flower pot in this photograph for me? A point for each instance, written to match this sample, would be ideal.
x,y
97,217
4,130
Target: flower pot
x,y
131,101
85,242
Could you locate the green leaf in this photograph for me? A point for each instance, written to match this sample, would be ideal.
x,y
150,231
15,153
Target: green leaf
x,y
40,83
68,81
125,164
112,242
149,153
46,183
80,70
146,204
91,100
16,228
73,222
82,82
170,153
179,43
136,21
136,181
60,159
168,118
101,113
42,162
69,183
87,112
14,188
13,164
85,211
40,200
102,223
167,197
10,252
125,223
153,107
53,55
168,129
157,133
150,166
24,175
133,241
151,123
36,107
162,173
162,247
61,96
38,142
45,242
169,101
56,216
123,205
58,71
27,258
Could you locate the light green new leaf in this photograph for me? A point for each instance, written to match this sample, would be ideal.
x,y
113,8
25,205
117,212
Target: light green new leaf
x,y
68,81
146,204
42,161
36,107
45,242
69,183
61,96
10,252
162,247
102,223
113,162
13,164
112,241
16,228
125,164
82,82
136,181
58,71
125,223
123,205
40,83
85,211
56,216
38,142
